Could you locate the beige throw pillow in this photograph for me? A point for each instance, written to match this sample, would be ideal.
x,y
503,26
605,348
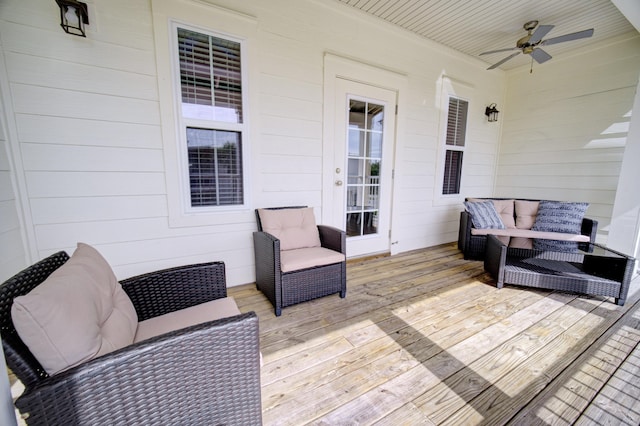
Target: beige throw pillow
x,y
295,228
78,313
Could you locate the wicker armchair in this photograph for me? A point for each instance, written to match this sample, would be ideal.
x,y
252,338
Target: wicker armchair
x,y
204,374
288,288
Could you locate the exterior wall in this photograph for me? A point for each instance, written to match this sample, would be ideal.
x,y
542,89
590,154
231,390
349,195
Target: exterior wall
x,y
91,115
566,124
13,256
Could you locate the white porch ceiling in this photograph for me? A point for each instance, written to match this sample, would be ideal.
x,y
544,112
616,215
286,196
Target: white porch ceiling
x,y
476,26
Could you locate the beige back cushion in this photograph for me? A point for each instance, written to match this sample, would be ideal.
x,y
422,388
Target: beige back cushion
x,y
78,313
526,212
505,210
295,228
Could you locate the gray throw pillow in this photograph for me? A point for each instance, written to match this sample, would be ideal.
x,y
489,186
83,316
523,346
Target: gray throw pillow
x,y
484,215
559,216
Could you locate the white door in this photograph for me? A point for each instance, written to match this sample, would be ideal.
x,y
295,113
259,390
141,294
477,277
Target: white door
x,y
363,159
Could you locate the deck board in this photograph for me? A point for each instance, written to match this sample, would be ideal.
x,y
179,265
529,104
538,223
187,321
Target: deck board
x,y
426,338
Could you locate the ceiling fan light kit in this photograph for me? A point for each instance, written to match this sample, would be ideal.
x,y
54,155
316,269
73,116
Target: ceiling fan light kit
x,y
532,42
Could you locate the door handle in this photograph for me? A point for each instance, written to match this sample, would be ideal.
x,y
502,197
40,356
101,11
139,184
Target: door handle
x,y
338,183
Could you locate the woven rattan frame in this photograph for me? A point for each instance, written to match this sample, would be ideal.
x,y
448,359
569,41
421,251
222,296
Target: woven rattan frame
x,y
573,272
204,374
473,246
289,288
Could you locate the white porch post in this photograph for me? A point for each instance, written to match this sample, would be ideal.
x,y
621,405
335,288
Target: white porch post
x,y
624,232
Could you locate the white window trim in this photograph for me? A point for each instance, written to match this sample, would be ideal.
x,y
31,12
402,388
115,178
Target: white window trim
x,y
227,23
463,91
184,122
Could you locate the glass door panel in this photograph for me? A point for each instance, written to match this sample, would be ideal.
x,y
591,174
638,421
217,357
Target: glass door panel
x,y
364,158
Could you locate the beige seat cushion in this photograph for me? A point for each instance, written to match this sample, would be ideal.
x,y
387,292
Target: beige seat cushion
x,y
295,228
294,260
78,313
521,242
527,233
208,311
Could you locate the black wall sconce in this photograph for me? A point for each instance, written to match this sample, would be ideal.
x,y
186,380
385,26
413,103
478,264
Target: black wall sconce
x,y
492,113
74,15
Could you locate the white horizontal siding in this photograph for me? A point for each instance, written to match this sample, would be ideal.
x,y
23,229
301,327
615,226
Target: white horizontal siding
x,y
28,99
77,184
89,127
56,210
83,132
567,125
33,70
47,157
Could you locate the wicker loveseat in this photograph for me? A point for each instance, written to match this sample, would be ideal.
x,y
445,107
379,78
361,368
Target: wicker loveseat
x,y
207,373
519,220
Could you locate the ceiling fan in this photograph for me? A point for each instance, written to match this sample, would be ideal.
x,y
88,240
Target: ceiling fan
x,y
531,43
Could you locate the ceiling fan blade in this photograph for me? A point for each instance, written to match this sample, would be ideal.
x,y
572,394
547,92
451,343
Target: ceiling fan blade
x,y
497,64
568,37
540,55
499,50
540,32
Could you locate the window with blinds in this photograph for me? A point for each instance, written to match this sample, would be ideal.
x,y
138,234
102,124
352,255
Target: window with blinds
x,y
455,142
212,117
215,167
210,77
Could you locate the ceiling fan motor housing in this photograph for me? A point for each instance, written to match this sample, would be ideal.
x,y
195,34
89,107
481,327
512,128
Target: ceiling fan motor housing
x,y
523,43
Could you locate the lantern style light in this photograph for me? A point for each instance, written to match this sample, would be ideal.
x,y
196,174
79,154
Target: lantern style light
x,y
74,15
492,113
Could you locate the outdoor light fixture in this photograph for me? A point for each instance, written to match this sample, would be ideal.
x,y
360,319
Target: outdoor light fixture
x,y
492,113
74,15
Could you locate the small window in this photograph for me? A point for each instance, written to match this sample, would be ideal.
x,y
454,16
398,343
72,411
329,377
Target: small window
x,y
454,145
211,117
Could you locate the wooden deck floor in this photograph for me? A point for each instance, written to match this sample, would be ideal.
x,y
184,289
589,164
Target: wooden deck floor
x,y
425,338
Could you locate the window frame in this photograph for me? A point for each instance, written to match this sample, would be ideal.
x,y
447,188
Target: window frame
x,y
451,87
183,123
447,148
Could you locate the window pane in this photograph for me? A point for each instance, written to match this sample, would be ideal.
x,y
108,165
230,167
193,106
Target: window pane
x,y
210,77
452,172
356,142
457,122
215,167
374,145
375,117
356,114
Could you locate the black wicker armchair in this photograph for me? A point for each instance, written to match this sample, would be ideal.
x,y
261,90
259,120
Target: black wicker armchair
x,y
291,287
204,374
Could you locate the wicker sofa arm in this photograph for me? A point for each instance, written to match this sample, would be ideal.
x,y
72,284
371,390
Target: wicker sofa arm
x,y
267,264
168,290
589,227
204,374
333,238
494,259
464,230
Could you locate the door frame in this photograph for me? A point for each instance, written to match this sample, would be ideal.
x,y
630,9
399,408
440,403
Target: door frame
x,y
338,67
